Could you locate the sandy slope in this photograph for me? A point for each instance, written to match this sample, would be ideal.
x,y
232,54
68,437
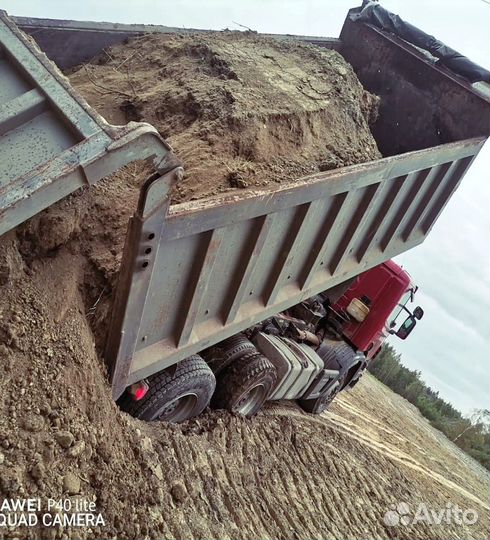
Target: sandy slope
x,y
285,474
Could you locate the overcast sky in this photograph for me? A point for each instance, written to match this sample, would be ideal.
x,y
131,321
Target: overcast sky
x,y
450,346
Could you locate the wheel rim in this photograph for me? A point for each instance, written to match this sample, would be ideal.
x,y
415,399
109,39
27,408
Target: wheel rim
x,y
179,409
328,398
249,401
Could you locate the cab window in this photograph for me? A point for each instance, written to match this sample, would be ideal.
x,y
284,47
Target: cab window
x,y
399,308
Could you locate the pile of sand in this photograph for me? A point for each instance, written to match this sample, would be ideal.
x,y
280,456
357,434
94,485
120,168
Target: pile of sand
x,y
238,109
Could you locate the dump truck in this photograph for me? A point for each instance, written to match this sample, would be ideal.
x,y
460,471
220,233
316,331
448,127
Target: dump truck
x,y
315,349
283,293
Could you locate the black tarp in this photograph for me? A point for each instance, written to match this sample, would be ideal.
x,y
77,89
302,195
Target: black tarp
x,y
372,13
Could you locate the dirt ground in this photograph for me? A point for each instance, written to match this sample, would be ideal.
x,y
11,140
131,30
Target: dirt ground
x,y
240,110
282,474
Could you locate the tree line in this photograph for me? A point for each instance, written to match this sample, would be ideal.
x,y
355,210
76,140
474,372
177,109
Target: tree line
x,y
471,434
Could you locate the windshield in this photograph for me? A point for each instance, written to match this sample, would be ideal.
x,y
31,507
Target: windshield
x,y
399,308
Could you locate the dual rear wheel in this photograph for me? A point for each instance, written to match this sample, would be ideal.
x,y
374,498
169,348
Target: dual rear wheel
x,y
243,382
234,377
244,386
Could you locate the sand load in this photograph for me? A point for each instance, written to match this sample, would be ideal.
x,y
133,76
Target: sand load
x,y
239,110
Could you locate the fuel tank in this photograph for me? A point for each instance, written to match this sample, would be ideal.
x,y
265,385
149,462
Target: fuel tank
x,y
297,364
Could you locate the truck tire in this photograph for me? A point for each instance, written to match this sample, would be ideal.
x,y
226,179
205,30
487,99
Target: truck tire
x,y
322,403
225,353
175,395
245,385
336,355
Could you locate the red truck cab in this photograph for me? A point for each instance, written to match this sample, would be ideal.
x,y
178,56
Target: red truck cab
x,y
384,293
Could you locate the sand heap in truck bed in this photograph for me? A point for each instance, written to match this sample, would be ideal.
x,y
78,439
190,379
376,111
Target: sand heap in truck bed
x,y
240,110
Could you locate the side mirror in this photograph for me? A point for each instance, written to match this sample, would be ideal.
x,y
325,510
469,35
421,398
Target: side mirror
x,y
407,327
418,313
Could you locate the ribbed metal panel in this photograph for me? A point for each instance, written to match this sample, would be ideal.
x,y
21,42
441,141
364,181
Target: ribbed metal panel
x,y
223,264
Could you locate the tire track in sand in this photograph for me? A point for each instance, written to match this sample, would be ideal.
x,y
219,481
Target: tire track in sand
x,y
344,426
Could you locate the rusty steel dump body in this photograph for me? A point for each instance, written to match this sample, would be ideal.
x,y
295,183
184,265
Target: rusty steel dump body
x,y
198,272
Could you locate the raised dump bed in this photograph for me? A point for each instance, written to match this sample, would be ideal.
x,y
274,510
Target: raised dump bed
x,y
51,142
197,272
